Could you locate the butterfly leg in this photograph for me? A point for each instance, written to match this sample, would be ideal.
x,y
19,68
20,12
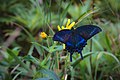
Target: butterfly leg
x,y
80,54
71,56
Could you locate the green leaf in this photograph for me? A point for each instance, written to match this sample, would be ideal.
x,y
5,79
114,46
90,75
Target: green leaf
x,y
38,49
55,48
42,79
35,43
31,50
65,12
79,59
86,14
17,59
31,58
50,73
113,56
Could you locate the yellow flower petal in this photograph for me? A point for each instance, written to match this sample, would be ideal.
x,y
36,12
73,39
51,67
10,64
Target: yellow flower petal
x,y
43,35
71,25
63,46
68,25
68,22
63,27
58,28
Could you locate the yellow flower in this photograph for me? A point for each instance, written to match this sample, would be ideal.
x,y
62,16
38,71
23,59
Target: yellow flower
x,y
68,25
43,35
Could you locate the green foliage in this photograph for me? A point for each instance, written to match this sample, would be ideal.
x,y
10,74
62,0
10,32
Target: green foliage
x,y
29,56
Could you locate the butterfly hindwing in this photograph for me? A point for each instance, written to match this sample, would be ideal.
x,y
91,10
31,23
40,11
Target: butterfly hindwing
x,y
75,44
87,31
62,36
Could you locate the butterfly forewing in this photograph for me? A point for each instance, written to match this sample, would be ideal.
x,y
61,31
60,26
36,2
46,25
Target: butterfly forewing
x,y
62,36
87,31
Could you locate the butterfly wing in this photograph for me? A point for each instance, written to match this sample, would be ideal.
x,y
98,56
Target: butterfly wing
x,y
76,39
87,31
62,36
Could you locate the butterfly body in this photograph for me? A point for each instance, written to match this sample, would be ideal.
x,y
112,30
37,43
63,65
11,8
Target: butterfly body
x,y
76,39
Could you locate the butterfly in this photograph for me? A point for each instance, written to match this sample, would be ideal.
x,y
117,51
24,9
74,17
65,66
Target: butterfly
x,y
76,39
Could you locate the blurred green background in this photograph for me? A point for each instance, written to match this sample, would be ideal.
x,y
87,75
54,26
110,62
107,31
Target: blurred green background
x,y
25,55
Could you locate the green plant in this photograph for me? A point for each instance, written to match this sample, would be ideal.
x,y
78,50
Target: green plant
x,y
28,56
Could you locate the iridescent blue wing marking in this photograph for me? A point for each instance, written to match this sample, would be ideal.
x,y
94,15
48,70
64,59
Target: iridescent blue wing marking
x,y
87,31
62,36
